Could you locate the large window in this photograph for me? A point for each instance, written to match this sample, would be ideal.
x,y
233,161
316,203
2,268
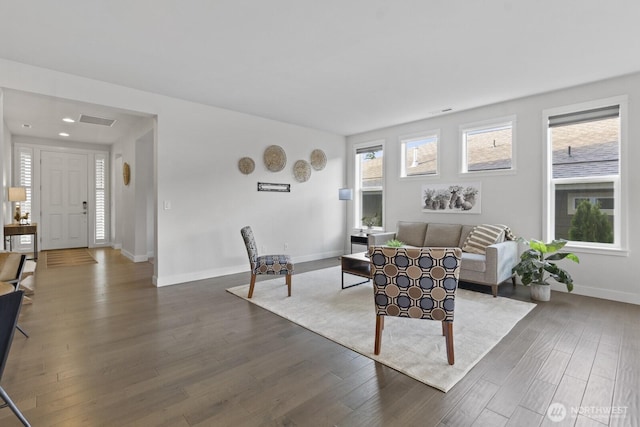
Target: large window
x,y
369,169
419,154
488,146
584,164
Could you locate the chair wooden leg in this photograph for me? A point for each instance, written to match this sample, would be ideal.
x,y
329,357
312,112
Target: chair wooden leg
x,y
379,328
494,290
253,283
289,283
448,335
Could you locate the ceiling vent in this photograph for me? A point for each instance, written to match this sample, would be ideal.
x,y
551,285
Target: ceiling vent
x,y
96,120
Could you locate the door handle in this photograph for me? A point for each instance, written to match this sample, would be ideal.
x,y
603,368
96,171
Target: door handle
x,y
84,207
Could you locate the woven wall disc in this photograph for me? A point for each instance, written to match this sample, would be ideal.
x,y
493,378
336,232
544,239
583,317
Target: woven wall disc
x,y
275,158
318,159
302,170
246,165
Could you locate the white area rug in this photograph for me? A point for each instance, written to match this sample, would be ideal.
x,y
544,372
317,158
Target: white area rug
x,y
414,347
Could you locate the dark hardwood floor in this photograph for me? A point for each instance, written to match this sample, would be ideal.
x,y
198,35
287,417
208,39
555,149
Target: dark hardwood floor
x,y
107,348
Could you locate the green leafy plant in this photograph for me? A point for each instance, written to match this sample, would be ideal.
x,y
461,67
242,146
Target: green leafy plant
x,y
394,243
371,221
590,224
536,264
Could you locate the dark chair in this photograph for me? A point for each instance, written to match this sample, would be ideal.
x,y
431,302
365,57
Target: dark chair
x,y
11,268
265,264
9,311
419,283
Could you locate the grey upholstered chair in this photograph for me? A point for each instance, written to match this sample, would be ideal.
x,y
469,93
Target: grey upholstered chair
x,y
11,268
9,310
418,283
265,264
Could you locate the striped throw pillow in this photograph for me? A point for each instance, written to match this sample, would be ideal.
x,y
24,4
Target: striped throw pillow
x,y
482,236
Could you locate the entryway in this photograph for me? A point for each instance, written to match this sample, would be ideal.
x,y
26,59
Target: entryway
x,y
63,200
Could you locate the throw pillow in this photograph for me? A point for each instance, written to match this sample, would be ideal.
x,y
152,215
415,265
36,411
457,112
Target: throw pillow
x,y
482,236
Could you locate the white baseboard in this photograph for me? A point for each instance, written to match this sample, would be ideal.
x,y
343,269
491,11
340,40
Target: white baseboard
x,y
208,274
134,258
608,294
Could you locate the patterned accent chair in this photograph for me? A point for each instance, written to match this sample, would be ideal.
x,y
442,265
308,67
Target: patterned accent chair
x,y
419,283
265,264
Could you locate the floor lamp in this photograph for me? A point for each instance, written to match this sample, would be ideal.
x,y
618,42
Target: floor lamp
x,y
345,194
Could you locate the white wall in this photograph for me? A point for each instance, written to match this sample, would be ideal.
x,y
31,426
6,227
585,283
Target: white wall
x,y
129,212
516,199
197,150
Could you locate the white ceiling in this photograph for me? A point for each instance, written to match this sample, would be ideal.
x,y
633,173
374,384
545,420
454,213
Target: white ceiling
x,y
44,115
344,66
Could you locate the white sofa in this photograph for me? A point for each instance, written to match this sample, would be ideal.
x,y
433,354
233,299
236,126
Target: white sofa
x,y
491,268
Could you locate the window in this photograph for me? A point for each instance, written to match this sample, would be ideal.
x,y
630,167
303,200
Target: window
x,y
369,169
101,204
24,178
419,154
584,158
488,146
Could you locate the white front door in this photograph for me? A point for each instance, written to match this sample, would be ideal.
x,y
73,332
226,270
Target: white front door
x,y
63,200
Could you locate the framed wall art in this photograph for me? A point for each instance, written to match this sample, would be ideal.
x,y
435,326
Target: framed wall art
x,y
452,198
270,186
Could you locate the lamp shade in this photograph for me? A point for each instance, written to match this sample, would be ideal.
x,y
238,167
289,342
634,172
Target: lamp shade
x,y
345,194
17,194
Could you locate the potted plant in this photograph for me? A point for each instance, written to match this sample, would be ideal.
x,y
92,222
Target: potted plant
x,y
394,243
370,221
536,267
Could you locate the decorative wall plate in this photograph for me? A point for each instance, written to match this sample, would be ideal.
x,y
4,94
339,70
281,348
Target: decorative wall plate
x,y
301,170
246,165
275,158
318,159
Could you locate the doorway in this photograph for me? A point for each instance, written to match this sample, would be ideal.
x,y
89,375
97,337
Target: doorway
x,y
64,200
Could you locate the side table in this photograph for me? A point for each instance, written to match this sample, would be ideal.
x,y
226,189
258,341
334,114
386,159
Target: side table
x,y
11,230
359,239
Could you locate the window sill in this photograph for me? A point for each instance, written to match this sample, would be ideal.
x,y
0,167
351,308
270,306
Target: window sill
x,y
493,172
612,251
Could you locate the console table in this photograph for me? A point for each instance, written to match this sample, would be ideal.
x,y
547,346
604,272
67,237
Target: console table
x,y
11,230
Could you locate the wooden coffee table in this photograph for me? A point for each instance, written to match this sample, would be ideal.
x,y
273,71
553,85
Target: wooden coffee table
x,y
357,265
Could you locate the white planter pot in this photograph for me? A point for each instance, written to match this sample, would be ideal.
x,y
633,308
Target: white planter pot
x,y
540,292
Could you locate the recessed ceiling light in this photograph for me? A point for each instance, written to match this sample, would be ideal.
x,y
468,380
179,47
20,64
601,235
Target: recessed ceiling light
x,y
68,120
63,134
26,125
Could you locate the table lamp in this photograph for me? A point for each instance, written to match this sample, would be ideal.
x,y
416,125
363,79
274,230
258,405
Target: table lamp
x,y
17,194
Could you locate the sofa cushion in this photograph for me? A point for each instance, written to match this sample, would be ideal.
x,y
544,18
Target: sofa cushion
x,y
442,235
473,262
482,236
411,233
